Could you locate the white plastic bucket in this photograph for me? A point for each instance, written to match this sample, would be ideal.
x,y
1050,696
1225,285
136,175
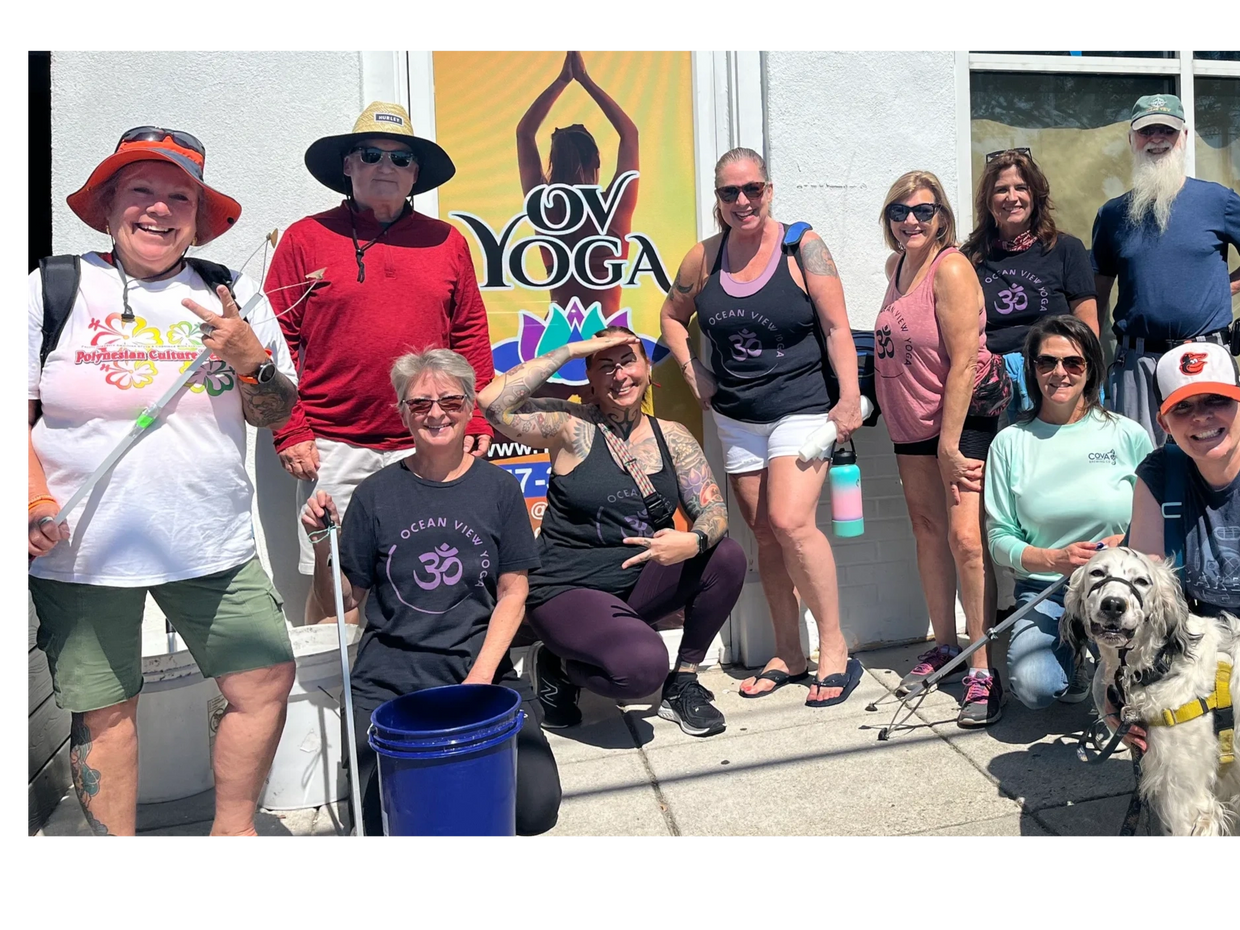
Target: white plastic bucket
x,y
178,711
306,771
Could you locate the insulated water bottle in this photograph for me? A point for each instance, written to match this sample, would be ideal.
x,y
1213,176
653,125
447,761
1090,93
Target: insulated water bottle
x,y
845,478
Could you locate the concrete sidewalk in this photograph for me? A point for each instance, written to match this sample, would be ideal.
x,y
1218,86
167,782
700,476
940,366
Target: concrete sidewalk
x,y
784,769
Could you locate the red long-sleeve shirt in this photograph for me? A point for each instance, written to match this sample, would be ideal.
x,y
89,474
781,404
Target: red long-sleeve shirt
x,y
420,292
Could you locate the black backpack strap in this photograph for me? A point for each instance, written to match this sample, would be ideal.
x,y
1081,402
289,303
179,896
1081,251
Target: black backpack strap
x,y
213,273
1175,484
60,275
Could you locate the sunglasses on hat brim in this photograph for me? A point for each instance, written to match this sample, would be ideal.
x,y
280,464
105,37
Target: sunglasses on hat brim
x,y
159,134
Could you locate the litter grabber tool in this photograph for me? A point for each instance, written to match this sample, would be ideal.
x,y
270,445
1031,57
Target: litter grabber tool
x,y
355,781
918,692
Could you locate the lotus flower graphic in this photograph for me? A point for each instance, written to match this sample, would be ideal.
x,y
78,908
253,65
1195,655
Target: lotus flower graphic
x,y
561,327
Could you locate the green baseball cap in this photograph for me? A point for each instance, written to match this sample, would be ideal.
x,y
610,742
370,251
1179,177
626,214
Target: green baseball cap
x,y
1158,110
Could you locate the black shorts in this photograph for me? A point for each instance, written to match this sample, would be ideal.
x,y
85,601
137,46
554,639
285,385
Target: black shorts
x,y
975,439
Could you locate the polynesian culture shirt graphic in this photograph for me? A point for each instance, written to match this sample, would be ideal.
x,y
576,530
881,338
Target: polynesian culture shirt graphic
x,y
439,563
128,353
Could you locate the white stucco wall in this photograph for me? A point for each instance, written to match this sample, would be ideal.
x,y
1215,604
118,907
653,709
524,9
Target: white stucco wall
x,y
841,127
256,113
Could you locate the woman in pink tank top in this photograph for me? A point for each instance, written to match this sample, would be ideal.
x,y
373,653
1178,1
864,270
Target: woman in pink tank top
x,y
941,393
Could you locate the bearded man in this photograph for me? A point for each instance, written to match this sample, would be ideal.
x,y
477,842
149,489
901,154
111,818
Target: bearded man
x,y
1166,240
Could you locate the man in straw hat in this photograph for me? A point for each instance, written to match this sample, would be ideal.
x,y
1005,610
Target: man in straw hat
x,y
1166,240
396,282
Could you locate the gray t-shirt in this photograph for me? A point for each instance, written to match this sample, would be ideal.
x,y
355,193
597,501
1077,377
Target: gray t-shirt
x,y
1212,531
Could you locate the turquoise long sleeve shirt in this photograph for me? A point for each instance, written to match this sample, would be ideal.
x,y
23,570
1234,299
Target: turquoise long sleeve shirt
x,y
1048,486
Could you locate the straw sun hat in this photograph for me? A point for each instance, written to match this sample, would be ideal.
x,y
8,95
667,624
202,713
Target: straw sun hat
x,y
325,158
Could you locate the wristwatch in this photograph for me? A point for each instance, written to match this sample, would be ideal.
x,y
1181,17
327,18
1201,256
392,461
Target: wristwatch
x,y
266,371
703,540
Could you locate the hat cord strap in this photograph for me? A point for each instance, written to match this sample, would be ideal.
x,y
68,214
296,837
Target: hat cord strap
x,y
127,314
360,250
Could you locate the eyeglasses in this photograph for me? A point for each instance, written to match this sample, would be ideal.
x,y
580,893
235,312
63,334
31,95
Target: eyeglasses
x,y
1157,130
610,368
729,192
923,212
1023,150
421,406
372,156
1072,364
159,134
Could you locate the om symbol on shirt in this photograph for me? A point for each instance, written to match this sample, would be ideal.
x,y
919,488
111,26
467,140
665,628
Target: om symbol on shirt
x,y
745,345
1012,301
442,565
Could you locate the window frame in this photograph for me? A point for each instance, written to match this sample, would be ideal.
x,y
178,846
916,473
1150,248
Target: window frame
x,y
1184,69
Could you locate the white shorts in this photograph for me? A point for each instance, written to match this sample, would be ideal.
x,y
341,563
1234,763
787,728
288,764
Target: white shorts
x,y
341,469
751,446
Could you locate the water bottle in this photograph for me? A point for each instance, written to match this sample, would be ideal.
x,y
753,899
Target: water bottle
x,y
845,478
822,440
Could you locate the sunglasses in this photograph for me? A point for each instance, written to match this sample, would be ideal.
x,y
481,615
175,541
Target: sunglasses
x,y
1023,150
421,406
729,192
1072,364
372,156
923,212
159,134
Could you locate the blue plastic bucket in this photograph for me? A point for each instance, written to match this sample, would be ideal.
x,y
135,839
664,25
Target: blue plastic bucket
x,y
448,761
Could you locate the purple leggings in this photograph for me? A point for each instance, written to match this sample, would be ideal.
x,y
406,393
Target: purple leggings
x,y
609,645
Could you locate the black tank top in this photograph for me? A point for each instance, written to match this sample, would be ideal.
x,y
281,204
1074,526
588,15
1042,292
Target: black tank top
x,y
589,511
764,347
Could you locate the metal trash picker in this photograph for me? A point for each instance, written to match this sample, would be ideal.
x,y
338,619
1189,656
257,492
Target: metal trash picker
x,y
920,690
355,781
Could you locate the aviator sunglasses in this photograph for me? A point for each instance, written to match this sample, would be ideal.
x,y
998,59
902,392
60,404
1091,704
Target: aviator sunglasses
x,y
159,134
729,192
372,156
923,212
1072,364
421,406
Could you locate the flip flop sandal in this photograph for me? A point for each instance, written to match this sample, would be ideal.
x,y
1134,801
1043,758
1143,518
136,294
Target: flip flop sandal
x,y
848,680
780,678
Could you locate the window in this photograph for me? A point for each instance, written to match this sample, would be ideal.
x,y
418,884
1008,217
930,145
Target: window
x,y
1072,110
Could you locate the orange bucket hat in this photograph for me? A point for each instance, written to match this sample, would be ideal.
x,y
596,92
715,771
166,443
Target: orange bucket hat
x,y
217,212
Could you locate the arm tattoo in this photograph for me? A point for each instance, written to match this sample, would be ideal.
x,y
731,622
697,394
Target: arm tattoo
x,y
681,288
702,499
85,779
268,404
817,258
515,412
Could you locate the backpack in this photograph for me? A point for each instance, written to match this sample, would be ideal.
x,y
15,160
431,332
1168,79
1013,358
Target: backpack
x,y
61,275
862,339
1175,482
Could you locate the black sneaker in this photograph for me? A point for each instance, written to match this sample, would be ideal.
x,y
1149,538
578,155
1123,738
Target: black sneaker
x,y
556,694
983,701
687,703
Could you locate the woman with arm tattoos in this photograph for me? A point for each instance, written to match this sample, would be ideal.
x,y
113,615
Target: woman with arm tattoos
x,y
612,563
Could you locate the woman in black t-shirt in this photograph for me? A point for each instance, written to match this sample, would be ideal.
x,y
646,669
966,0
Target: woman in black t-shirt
x,y
442,544
1028,269
613,563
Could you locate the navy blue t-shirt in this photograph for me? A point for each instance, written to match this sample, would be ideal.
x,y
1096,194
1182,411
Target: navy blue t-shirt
x,y
430,552
1174,285
1212,531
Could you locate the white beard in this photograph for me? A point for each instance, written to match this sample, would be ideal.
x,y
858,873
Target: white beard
x,y
1156,181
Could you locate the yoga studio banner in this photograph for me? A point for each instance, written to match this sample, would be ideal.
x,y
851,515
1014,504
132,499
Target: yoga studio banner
x,y
575,189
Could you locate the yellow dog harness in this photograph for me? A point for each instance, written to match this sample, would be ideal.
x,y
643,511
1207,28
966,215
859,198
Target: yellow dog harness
x,y
1219,702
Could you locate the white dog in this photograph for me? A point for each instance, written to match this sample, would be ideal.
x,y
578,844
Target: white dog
x,y
1131,605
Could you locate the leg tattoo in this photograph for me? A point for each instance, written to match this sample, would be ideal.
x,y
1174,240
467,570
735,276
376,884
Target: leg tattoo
x,y
85,779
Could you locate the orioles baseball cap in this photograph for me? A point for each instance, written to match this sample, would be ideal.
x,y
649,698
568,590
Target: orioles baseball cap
x,y
1195,368
1158,110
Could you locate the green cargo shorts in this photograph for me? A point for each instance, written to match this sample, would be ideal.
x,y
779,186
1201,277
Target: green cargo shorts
x,y
92,634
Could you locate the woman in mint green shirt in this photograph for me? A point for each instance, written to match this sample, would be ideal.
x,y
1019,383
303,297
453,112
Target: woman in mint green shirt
x,y
1058,482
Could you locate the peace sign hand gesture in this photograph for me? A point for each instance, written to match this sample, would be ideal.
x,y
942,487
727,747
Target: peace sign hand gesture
x,y
229,337
667,547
